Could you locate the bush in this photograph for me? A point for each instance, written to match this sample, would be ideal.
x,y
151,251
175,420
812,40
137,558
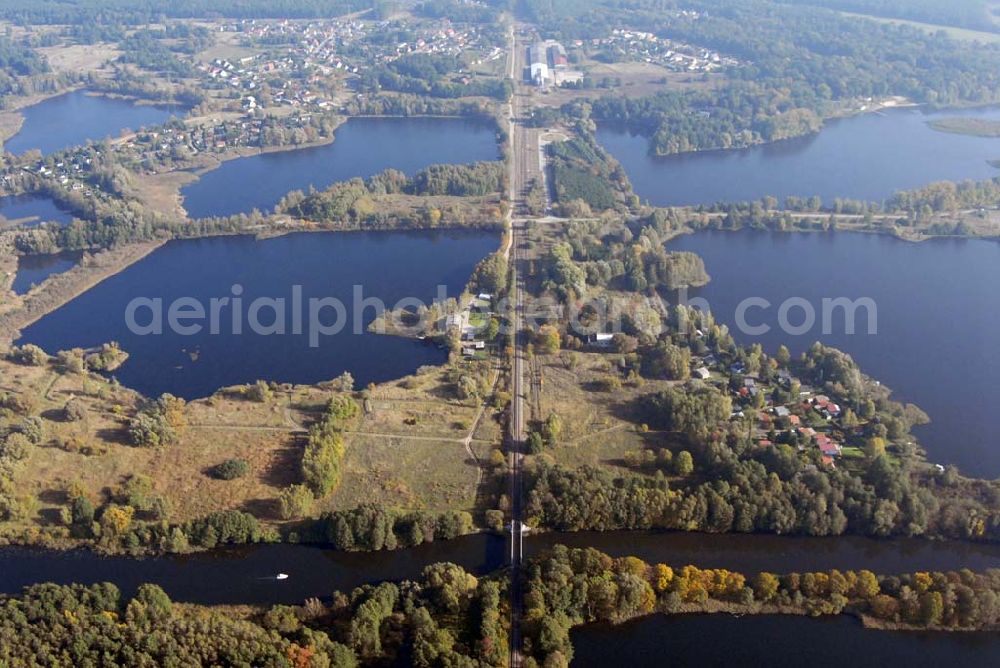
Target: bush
x,y
33,429
28,354
226,527
494,520
74,410
231,469
260,392
14,446
158,422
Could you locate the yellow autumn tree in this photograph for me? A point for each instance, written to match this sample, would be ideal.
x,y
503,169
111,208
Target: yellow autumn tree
x,y
663,576
117,519
765,586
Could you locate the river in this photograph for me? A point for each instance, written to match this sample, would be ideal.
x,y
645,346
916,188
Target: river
x,y
388,266
775,641
75,118
246,574
363,147
936,318
866,157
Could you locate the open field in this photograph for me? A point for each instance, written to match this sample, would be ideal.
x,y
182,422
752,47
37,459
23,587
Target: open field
x,y
402,472
415,447
161,192
79,58
955,33
227,47
637,80
598,427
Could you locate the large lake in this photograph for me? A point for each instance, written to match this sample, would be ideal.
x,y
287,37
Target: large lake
x,y
388,265
937,319
769,640
363,147
74,118
865,157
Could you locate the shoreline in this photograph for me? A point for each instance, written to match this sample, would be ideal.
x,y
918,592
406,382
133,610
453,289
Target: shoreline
x,y
717,607
61,289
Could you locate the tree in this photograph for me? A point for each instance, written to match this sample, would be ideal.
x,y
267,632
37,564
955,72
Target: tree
x,y
765,586
875,448
74,410
783,356
683,463
663,576
28,354
345,382
116,519
931,608
294,501
494,520
552,429
548,340
260,392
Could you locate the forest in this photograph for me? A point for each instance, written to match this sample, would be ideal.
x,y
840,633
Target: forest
x,y
586,178
80,12
446,617
972,14
633,258
19,59
569,587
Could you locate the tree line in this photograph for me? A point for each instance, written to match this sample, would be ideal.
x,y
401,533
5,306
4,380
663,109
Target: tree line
x,y
568,587
355,200
133,12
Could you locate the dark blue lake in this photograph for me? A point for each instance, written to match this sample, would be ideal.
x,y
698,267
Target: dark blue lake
x,y
34,269
363,147
937,319
866,157
771,640
32,210
74,118
387,265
